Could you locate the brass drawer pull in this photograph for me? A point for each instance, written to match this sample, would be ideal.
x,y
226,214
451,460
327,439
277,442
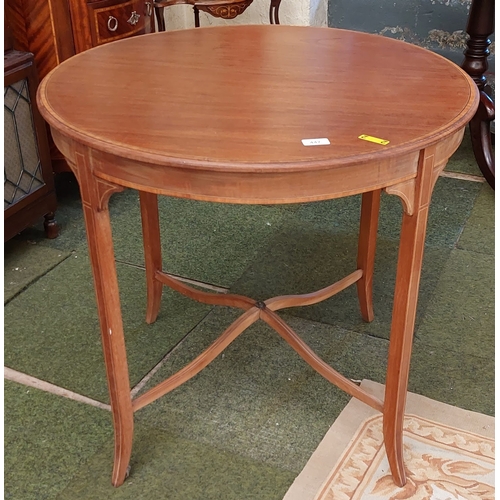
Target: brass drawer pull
x,y
112,23
134,18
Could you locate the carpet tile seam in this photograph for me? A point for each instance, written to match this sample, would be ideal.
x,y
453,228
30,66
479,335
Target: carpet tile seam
x,y
462,177
44,386
144,380
37,278
185,279
462,229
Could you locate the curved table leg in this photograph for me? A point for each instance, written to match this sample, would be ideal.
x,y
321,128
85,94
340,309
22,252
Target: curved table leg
x,y
370,206
95,194
274,10
482,144
411,249
479,28
152,252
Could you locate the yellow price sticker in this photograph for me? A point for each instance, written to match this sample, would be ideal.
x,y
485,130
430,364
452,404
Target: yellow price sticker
x,y
376,140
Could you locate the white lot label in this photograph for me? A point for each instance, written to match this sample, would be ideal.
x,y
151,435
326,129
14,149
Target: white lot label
x,y
316,142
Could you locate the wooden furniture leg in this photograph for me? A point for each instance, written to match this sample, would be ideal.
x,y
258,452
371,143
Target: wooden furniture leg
x,y
50,226
411,249
95,194
152,252
160,17
370,206
274,9
479,29
196,16
482,138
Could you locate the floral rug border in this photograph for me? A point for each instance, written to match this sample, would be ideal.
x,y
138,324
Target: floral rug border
x,y
433,477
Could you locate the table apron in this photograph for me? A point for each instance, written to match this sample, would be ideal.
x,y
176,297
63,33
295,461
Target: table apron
x,y
257,187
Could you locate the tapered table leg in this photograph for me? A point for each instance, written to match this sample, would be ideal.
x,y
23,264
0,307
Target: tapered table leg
x,y
95,194
411,249
370,206
152,252
160,18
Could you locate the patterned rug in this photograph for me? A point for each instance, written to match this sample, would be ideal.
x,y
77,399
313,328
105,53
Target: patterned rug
x,y
449,455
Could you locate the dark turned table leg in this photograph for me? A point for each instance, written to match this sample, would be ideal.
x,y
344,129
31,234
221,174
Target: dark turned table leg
x,y
274,9
160,18
479,28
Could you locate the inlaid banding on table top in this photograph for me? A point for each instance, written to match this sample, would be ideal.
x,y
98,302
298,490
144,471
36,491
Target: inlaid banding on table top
x,y
268,126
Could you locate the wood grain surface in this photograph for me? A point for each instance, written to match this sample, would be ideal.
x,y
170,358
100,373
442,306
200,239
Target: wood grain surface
x,y
243,97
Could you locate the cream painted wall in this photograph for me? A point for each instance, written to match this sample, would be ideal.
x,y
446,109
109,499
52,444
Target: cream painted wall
x,y
292,12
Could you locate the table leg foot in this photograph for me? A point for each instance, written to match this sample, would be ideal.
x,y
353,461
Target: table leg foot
x,y
123,452
370,206
152,253
50,226
393,441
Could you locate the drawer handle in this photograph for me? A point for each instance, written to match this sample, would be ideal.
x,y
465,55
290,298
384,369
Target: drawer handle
x,y
149,8
112,23
134,18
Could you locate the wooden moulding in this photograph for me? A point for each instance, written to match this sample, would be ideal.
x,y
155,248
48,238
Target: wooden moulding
x,y
245,187
264,188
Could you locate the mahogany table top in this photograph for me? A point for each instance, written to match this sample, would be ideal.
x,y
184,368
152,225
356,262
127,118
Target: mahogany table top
x,y
242,98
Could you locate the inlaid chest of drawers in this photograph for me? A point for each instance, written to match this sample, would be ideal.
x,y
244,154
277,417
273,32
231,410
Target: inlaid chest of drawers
x,y
54,30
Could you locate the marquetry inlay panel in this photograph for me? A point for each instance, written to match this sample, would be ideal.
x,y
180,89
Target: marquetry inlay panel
x,y
226,11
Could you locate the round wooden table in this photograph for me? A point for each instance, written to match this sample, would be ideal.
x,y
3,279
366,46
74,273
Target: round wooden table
x,y
258,115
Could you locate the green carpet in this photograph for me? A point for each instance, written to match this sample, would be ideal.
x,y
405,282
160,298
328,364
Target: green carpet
x,y
63,345
165,466
25,262
47,440
451,377
479,231
260,399
461,316
208,242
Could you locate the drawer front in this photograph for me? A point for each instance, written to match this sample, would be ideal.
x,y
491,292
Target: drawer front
x,y
115,19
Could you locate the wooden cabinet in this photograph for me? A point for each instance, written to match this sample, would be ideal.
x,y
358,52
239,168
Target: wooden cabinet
x,y
112,20
28,180
54,30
